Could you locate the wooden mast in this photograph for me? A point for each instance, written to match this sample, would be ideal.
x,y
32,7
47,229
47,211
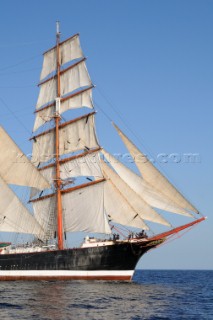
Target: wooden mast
x,y
57,162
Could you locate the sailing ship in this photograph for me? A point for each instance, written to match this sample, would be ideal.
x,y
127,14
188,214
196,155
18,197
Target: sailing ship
x,y
77,186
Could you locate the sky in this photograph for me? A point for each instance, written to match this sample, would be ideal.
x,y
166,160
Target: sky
x,y
151,62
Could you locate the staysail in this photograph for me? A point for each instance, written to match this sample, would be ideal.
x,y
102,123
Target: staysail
x,y
135,201
154,177
119,209
143,189
15,167
14,216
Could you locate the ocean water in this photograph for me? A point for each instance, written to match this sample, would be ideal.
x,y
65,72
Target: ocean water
x,y
151,295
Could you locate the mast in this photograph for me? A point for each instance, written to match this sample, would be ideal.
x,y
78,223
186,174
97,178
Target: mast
x,y
57,162
60,91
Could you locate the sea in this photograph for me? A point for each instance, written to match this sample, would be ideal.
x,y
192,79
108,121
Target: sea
x,y
152,295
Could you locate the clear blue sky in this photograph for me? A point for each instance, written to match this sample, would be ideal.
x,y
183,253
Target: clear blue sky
x,y
152,62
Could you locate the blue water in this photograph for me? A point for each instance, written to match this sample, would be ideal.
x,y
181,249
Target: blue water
x,y
151,295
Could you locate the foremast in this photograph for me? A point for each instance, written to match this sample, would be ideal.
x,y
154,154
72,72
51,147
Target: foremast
x,y
57,157
67,152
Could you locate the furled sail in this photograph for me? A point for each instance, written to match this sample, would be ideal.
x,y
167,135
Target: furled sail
x,y
15,167
69,50
135,201
71,78
75,135
14,216
79,100
154,177
153,197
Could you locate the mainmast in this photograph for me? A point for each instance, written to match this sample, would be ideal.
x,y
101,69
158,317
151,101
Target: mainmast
x,y
57,162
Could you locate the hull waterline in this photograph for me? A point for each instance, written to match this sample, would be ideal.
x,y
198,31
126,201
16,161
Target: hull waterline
x,y
110,262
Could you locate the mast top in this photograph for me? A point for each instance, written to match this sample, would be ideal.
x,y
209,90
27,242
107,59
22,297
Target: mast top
x,y
58,29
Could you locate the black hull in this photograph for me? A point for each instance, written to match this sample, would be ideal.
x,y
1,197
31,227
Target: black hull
x,y
110,262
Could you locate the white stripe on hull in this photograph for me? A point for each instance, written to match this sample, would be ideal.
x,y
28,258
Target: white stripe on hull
x,y
66,275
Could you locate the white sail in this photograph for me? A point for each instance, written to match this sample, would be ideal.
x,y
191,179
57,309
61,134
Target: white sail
x,y
155,177
75,136
70,80
49,174
15,167
135,201
45,214
81,100
75,78
69,50
49,63
83,210
43,116
88,166
14,216
153,197
118,208
47,93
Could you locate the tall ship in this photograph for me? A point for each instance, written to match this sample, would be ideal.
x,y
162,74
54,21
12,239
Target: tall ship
x,y
75,185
